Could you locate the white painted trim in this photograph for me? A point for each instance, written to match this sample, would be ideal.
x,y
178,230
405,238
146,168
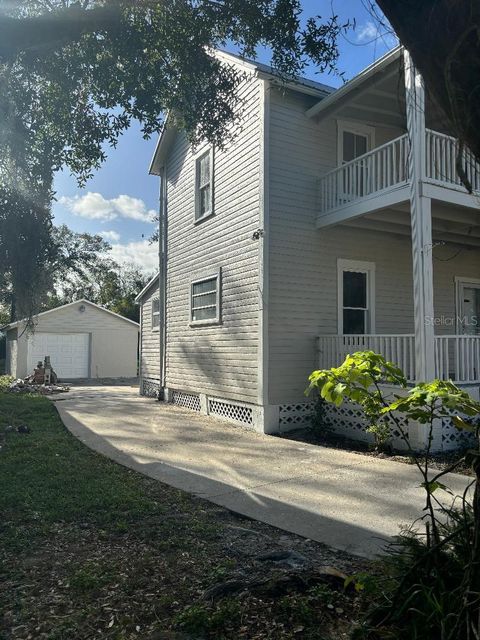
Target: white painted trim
x,y
357,128
65,306
145,289
358,266
459,282
206,149
421,225
218,317
356,209
163,272
155,329
264,241
355,82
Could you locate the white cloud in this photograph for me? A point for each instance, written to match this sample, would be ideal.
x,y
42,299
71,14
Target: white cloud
x,y
370,33
111,236
94,206
141,254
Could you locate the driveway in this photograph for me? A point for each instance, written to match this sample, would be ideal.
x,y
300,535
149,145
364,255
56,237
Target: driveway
x,y
347,500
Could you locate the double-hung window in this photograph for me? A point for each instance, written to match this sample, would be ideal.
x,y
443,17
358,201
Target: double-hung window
x,y
205,300
356,304
204,185
155,314
354,140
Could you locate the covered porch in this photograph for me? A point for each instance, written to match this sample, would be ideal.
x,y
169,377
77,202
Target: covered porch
x,y
408,187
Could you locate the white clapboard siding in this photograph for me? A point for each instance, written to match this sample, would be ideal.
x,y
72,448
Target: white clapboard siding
x,y
150,356
303,259
219,360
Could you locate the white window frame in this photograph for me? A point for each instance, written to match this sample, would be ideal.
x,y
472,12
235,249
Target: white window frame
x,y
357,128
217,276
155,313
358,266
203,152
460,281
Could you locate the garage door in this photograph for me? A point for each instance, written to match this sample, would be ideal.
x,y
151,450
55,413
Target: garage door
x,y
68,353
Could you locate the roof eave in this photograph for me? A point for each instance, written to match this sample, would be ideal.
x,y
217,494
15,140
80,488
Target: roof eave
x,y
149,284
355,82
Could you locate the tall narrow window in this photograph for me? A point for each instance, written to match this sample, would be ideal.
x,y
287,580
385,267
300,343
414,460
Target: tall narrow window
x,y
203,185
155,314
468,305
354,145
356,297
205,300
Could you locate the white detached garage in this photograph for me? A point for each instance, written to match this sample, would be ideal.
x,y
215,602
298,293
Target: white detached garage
x,y
82,339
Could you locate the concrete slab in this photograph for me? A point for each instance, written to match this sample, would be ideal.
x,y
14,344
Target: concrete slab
x,y
347,500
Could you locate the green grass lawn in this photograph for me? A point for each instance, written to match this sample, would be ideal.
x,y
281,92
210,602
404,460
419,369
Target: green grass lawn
x,y
90,549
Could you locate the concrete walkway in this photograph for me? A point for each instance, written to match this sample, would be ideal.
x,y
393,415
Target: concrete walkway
x,y
347,500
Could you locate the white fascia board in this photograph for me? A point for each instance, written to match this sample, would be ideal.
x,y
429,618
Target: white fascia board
x,y
146,288
356,82
65,306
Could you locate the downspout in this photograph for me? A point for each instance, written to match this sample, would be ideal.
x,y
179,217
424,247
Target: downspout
x,y
162,278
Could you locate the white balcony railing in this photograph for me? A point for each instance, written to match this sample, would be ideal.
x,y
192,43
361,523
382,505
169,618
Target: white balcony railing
x,y
441,159
457,358
376,171
386,168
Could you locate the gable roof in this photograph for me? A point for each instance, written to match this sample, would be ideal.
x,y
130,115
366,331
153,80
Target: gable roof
x,y
146,288
12,325
302,85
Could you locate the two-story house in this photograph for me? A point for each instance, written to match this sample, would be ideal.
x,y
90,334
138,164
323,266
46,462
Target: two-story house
x,y
334,222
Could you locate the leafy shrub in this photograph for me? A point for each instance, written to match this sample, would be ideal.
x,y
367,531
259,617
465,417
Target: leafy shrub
x,y
430,587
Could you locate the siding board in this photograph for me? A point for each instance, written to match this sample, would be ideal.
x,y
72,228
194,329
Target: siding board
x,y
219,359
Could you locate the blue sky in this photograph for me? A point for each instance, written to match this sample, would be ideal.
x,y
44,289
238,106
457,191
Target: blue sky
x,y
121,197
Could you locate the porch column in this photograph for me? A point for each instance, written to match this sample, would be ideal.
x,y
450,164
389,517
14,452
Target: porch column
x,y
421,221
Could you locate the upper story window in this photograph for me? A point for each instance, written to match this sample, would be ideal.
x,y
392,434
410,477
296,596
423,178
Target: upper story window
x,y
354,140
204,185
205,300
155,314
356,297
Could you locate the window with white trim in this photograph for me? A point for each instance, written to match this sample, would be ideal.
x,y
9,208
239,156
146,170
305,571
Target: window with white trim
x,y
354,140
204,185
356,288
155,314
205,300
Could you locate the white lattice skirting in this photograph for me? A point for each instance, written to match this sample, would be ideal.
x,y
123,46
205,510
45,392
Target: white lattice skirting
x,y
150,388
187,400
218,407
453,438
296,414
230,411
347,421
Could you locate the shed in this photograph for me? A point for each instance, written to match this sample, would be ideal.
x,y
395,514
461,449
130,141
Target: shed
x,y
82,339
150,337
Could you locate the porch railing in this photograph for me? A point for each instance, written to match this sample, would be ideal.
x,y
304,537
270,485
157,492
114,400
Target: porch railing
x,y
399,349
441,159
376,171
386,167
457,357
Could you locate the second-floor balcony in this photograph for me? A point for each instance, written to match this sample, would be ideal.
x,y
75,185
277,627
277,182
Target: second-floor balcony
x,y
380,178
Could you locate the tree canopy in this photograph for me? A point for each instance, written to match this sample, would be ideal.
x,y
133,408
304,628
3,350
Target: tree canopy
x,y
74,74
443,38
